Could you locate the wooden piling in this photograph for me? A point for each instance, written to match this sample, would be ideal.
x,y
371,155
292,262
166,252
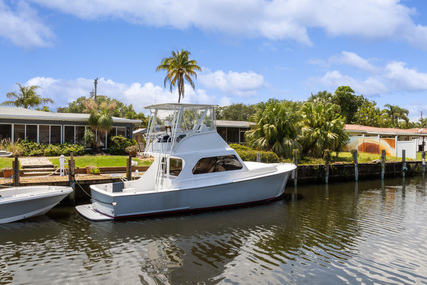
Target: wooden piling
x,y
382,164
258,157
403,163
295,172
356,169
72,179
129,168
327,158
15,167
423,158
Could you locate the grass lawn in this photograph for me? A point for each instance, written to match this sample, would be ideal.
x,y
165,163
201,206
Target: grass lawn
x,y
101,160
6,162
347,157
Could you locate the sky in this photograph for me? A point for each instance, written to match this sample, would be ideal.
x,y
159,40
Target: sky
x,y
249,50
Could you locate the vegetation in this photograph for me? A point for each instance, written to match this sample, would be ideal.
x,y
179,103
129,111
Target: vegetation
x,y
276,128
27,148
118,144
100,119
235,112
27,97
120,110
179,68
101,160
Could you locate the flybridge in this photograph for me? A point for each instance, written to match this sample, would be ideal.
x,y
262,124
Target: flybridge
x,y
171,123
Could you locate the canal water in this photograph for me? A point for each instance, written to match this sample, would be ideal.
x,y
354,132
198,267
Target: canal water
x,y
345,233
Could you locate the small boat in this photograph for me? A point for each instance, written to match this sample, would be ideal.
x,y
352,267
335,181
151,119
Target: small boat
x,y
193,169
17,203
4,153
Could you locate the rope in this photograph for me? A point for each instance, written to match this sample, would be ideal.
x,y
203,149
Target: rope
x,y
91,198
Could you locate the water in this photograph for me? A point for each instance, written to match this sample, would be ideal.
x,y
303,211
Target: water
x,y
347,233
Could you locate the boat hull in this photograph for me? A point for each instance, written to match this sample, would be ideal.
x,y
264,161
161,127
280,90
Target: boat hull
x,y
24,202
244,191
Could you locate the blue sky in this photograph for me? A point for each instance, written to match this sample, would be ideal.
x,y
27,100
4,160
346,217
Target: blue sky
x,y
249,50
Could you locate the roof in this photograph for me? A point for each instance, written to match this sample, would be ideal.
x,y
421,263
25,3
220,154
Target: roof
x,y
174,106
385,131
28,114
234,124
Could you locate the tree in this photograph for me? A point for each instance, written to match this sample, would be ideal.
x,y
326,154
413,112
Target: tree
x,y
349,102
27,97
235,112
179,69
396,114
276,127
76,106
322,97
370,115
322,128
100,119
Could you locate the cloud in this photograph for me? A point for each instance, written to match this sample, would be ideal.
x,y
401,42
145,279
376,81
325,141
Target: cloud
x,y
390,78
403,78
274,20
243,84
23,27
354,60
65,91
334,79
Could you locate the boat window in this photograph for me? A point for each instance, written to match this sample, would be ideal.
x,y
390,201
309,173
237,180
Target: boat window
x,y
175,166
217,164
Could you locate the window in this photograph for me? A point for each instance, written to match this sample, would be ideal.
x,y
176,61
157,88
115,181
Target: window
x,y
5,131
32,133
55,134
80,132
217,164
175,166
18,133
44,134
69,134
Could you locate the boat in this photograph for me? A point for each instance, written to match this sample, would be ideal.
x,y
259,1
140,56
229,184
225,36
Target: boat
x,y
193,169
17,203
4,153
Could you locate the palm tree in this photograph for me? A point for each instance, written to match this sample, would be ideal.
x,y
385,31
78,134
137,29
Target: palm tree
x,y
100,119
27,97
179,68
396,113
276,128
322,128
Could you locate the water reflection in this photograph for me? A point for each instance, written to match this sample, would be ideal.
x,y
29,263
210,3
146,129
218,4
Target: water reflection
x,y
338,233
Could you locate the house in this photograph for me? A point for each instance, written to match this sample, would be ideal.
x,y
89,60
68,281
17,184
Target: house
x,y
54,128
393,141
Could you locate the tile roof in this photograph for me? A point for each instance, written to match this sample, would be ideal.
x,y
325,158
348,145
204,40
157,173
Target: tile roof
x,y
389,131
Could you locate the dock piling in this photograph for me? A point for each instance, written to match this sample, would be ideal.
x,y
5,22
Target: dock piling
x,y
295,172
72,179
403,163
423,158
382,164
129,168
15,167
356,169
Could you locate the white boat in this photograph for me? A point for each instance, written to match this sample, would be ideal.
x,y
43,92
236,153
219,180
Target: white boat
x,y
17,203
193,169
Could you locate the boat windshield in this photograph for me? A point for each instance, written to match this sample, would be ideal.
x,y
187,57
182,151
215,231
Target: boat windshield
x,y
183,119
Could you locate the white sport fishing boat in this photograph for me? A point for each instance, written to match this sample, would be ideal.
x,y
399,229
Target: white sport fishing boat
x,y
193,169
17,203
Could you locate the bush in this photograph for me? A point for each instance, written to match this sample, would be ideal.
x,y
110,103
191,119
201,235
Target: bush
x,y
248,154
37,149
118,144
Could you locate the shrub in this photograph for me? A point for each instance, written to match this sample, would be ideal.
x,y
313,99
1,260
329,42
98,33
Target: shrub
x,y
248,154
118,144
36,149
